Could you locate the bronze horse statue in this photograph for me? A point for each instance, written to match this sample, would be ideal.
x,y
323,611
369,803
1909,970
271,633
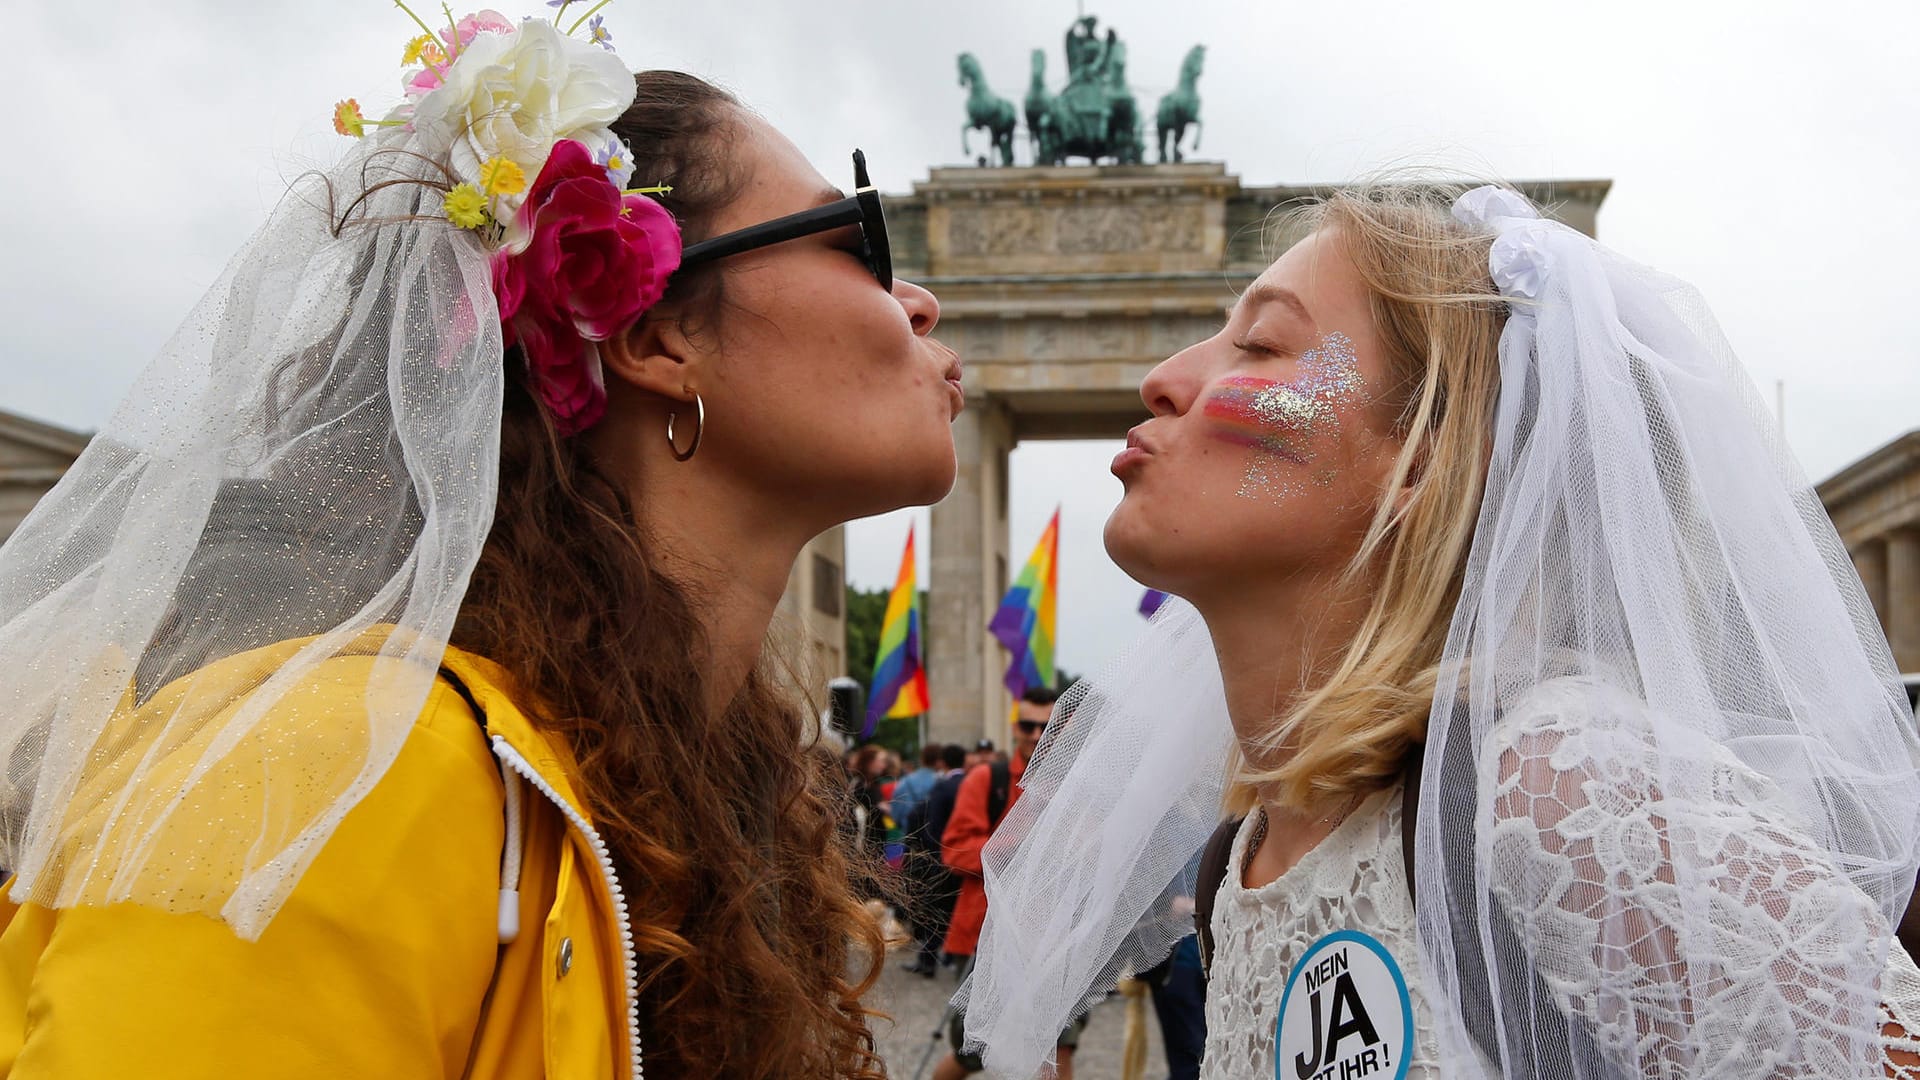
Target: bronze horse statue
x,y
985,109
1039,100
1181,108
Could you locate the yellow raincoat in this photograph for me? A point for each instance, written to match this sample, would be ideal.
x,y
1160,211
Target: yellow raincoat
x,y
380,963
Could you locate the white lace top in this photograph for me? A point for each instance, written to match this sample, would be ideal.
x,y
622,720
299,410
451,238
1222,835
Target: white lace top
x,y
1577,818
1355,879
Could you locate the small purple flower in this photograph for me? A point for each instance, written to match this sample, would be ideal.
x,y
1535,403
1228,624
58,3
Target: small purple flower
x,y
558,3
614,158
600,35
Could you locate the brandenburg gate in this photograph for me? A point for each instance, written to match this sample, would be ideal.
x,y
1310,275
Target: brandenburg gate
x,y
1061,287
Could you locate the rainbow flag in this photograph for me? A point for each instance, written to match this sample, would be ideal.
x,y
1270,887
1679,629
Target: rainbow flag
x,y
899,676
1024,622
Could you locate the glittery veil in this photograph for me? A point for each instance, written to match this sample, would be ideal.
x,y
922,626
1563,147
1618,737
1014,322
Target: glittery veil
x,y
218,628
1670,808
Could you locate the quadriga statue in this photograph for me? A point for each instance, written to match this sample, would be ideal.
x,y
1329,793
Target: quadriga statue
x,y
1095,116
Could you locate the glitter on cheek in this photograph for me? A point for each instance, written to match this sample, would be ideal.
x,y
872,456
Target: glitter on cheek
x,y
1280,421
1264,480
1269,416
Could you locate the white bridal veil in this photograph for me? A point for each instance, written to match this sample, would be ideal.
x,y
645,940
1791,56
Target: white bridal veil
x,y
314,455
1671,807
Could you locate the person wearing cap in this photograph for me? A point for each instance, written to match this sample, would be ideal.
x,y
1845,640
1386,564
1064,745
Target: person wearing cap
x,y
981,754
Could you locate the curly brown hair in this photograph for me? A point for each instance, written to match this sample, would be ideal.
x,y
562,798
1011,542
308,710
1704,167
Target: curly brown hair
x,y
726,829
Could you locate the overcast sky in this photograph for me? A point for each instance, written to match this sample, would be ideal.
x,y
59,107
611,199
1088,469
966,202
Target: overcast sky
x,y
1767,151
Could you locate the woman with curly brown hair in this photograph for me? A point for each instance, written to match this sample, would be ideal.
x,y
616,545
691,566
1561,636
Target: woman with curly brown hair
x,y
386,687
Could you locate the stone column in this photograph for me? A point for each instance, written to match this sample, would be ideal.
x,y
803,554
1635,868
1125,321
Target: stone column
x,y
969,532
1901,613
1870,562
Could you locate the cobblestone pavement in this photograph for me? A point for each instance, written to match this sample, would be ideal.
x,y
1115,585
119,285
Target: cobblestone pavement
x,y
917,1004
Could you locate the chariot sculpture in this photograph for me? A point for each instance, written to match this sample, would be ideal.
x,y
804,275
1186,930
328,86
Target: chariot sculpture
x,y
1094,116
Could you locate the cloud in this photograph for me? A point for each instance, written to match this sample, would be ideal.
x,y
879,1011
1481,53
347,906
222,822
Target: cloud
x,y
1762,154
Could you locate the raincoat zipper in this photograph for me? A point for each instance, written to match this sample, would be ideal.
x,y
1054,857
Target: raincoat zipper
x,y
512,759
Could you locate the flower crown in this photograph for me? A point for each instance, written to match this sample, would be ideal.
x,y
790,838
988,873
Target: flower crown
x,y
576,255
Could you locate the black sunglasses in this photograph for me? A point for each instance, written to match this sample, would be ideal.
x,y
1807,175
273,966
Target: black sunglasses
x,y
862,208
1030,726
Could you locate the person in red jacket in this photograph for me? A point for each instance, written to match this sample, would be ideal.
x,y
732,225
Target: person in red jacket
x,y
987,793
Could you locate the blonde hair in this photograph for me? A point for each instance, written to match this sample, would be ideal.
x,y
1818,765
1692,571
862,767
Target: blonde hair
x,y
1439,319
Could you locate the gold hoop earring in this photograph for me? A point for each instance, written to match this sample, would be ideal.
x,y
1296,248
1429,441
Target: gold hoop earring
x,y
699,428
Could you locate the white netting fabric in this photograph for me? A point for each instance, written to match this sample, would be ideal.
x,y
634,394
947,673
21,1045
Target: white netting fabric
x,y
313,455
1085,873
1671,803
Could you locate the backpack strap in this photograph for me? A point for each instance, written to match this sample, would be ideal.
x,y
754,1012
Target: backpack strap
x,y
1001,776
1213,875
1219,849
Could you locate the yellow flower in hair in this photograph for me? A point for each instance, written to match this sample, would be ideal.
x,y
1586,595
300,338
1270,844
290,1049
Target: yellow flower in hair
x,y
502,176
466,207
421,49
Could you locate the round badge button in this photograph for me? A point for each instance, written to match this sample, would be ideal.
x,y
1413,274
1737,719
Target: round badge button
x,y
1345,1014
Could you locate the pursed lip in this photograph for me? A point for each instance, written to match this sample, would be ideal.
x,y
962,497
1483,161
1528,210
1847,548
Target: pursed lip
x,y
1135,453
955,369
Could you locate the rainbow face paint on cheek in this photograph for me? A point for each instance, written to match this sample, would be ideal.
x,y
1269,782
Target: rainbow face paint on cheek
x,y
1280,421
1266,415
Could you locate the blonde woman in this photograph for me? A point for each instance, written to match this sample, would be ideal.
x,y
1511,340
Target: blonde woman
x,y
1459,499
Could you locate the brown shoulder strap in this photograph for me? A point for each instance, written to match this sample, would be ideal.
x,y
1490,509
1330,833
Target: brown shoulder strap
x,y
1213,874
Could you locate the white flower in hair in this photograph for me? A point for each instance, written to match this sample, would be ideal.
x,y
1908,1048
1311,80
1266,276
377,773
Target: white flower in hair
x,y
1522,252
1521,258
514,94
1489,203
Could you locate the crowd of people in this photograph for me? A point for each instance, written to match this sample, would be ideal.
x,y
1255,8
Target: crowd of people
x,y
930,825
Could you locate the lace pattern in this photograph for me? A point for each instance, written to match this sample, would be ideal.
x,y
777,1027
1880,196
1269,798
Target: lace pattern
x,y
1596,866
1354,880
1685,921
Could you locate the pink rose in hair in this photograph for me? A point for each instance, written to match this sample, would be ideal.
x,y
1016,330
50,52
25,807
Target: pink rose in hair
x,y
594,261
490,21
420,83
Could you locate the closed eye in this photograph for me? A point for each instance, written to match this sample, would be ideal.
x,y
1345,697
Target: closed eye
x,y
1260,347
